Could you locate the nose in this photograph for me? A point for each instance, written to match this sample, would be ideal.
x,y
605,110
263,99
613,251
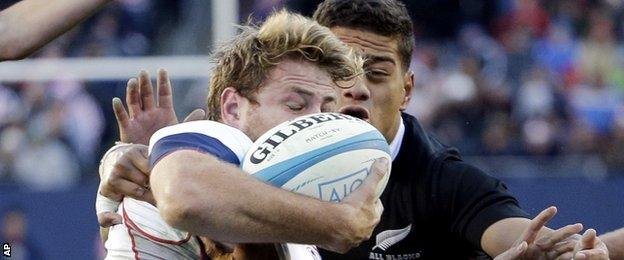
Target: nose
x,y
358,91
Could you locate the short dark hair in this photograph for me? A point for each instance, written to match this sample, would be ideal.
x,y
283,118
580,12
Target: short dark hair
x,y
384,17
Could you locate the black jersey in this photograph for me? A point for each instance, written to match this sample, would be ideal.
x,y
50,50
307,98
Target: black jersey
x,y
435,205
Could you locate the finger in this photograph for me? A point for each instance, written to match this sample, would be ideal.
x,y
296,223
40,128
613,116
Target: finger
x,y
109,191
120,112
197,114
565,256
537,223
563,248
130,173
366,192
107,219
165,96
558,235
147,94
138,158
513,253
133,97
589,239
126,187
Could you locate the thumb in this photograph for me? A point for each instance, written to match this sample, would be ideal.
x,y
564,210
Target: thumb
x,y
366,192
107,219
589,239
197,114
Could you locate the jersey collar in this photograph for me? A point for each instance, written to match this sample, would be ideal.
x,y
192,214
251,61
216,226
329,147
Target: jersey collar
x,y
395,145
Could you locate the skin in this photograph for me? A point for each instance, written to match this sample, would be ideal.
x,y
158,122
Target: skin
x,y
294,88
615,243
387,85
386,92
30,24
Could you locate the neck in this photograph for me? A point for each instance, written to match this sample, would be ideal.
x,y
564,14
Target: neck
x,y
392,131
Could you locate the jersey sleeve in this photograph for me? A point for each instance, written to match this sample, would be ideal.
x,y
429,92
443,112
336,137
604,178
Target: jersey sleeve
x,y
473,200
222,141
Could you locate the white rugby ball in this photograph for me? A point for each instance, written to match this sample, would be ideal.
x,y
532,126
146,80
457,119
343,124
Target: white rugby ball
x,y
325,155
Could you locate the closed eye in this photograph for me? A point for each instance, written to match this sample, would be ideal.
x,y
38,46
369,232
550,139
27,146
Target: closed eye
x,y
295,107
377,73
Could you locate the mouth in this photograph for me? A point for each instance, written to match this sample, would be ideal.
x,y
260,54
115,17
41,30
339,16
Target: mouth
x,y
356,111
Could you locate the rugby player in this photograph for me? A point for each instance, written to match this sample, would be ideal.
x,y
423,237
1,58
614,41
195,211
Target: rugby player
x,y
433,199
288,67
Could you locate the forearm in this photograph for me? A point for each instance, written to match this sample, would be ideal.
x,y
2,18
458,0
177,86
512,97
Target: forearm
x,y
30,24
615,243
202,195
501,235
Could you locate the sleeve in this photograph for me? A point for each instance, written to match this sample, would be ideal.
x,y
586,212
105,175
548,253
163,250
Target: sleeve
x,y
224,142
473,200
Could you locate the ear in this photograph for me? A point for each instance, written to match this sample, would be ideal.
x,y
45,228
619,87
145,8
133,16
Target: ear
x,y
230,107
408,80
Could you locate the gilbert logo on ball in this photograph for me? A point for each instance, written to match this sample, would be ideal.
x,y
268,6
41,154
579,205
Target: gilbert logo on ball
x,y
325,155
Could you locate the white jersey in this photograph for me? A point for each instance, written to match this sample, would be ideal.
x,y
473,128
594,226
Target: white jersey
x,y
144,234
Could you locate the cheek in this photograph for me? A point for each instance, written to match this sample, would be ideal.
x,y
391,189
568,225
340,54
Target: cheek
x,y
382,98
267,119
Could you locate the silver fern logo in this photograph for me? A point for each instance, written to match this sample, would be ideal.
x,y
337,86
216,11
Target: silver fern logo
x,y
388,238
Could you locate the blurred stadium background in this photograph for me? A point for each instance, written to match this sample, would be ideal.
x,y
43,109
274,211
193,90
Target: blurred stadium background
x,y
531,91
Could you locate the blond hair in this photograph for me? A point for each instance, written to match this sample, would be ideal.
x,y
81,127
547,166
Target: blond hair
x,y
244,62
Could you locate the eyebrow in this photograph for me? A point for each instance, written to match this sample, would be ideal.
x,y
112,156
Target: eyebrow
x,y
377,59
305,92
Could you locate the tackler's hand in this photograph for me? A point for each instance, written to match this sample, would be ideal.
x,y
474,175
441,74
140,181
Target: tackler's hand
x,y
362,211
147,115
124,171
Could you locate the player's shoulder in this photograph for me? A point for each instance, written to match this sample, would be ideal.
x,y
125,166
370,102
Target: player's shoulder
x,y
226,134
205,127
212,137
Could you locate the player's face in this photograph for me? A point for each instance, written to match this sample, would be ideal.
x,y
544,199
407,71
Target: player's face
x,y
292,89
387,86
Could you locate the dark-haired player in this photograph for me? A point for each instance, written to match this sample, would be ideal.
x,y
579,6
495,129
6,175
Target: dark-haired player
x,y
436,205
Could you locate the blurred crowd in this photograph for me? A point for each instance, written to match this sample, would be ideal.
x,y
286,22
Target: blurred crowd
x,y
52,133
544,78
515,77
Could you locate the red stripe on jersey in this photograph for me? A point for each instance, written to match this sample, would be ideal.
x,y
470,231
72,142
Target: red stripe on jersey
x,y
160,240
136,253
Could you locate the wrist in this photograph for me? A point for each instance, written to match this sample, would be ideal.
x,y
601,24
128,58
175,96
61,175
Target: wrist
x,y
339,226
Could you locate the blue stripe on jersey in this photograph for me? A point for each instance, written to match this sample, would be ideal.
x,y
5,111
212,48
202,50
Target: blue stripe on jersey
x,y
191,141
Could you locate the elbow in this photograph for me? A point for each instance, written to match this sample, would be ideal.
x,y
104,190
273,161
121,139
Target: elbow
x,y
182,198
178,201
178,214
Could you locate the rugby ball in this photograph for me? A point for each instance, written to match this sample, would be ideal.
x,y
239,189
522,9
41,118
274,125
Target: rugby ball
x,y
324,155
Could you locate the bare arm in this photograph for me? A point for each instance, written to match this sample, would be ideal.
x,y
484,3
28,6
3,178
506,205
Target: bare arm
x,y
615,243
31,24
198,193
542,242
